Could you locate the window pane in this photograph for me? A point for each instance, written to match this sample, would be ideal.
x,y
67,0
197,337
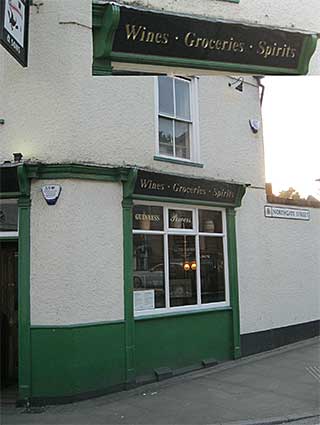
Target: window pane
x,y
212,269
182,270
148,271
182,140
165,85
210,221
166,136
146,217
8,216
180,219
182,99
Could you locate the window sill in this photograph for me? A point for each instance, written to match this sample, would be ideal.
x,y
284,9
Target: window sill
x,y
149,316
178,161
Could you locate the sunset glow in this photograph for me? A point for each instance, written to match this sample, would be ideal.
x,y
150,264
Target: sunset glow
x,y
291,133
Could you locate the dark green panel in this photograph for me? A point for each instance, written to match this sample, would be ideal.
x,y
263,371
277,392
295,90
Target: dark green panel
x,y
73,360
183,340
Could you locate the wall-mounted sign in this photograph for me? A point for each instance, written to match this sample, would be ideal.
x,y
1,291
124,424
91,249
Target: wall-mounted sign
x,y
14,28
51,193
149,37
170,186
288,213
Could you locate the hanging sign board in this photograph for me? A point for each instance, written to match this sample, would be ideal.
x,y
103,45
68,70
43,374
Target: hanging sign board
x,y
271,211
14,28
170,186
157,38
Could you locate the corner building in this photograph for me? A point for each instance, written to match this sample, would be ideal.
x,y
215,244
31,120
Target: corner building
x,y
152,261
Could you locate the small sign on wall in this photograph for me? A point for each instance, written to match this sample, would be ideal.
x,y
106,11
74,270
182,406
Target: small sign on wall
x,y
271,211
144,300
51,193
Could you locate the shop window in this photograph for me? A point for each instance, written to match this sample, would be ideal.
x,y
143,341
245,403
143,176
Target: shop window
x,y
179,258
177,118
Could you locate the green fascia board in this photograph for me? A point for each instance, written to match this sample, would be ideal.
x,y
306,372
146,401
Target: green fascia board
x,y
185,201
302,69
77,171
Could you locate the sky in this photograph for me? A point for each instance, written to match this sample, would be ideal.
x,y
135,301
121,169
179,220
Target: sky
x,y
291,128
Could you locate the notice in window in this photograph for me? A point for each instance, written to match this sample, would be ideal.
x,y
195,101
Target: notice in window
x,y
144,300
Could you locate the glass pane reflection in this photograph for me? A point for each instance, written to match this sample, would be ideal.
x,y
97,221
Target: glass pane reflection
x,y
148,266
212,269
182,270
182,99
182,139
166,95
166,136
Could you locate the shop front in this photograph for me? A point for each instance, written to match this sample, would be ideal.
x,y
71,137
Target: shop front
x,y
184,265
177,306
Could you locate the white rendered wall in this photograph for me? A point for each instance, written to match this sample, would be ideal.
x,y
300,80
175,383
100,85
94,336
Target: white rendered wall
x,y
55,111
279,267
283,13
76,254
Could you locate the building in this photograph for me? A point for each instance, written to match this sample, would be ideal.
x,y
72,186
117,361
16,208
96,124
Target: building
x,y
139,223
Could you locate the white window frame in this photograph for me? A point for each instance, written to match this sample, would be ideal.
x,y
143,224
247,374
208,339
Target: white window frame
x,y
194,120
189,232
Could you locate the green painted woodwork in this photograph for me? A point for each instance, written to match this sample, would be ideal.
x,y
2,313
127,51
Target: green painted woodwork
x,y
233,279
183,201
178,161
76,171
24,342
105,22
128,187
309,47
7,195
179,341
57,361
74,360
302,69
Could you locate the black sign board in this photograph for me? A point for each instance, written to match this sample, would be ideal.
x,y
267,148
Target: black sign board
x,y
170,186
144,32
14,28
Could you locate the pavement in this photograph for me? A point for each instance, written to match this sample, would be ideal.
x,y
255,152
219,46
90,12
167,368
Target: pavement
x,y
277,387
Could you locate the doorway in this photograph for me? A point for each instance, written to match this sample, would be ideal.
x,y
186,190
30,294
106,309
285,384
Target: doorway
x,y
9,314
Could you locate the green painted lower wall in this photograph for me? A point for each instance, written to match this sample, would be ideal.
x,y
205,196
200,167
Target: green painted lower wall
x,y
183,340
75,360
